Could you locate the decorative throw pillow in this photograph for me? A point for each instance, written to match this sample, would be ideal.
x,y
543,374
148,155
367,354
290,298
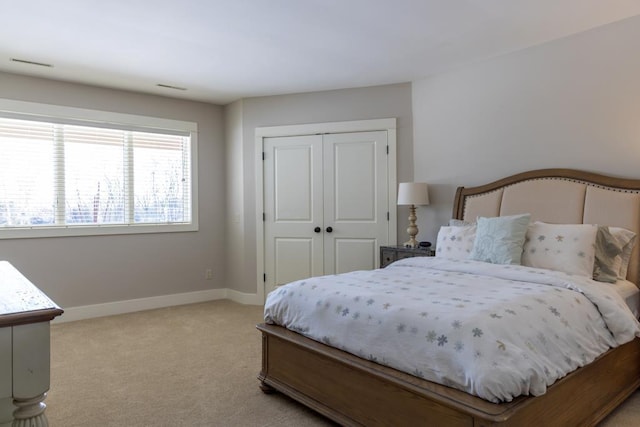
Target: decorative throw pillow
x,y
607,262
626,239
561,247
455,242
499,239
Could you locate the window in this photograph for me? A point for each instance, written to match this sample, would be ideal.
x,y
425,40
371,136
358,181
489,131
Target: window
x,y
62,172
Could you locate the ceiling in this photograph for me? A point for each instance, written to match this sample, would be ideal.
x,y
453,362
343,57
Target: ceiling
x,y
223,50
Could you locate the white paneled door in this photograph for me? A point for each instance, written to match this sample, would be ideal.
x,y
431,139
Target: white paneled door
x,y
293,208
326,204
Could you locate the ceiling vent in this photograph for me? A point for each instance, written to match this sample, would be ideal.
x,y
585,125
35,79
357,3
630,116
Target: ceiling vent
x,y
24,61
171,87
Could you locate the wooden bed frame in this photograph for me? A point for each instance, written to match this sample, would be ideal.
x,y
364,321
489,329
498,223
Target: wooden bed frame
x,y
353,391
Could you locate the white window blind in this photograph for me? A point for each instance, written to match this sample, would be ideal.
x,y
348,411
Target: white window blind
x,y
65,175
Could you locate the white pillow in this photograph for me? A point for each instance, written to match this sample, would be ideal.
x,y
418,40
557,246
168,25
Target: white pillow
x,y
455,242
561,247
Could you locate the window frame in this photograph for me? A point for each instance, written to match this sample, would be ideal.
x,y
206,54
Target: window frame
x,y
88,117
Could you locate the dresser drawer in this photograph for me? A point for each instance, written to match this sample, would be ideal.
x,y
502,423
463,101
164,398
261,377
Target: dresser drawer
x,y
6,376
402,255
389,254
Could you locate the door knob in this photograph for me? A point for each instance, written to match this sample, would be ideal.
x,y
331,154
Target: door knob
x,y
329,229
317,229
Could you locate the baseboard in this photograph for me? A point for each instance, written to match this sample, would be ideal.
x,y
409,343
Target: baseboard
x,y
120,307
243,298
129,306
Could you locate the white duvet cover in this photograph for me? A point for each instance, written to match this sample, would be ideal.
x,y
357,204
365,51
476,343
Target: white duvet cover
x,y
495,331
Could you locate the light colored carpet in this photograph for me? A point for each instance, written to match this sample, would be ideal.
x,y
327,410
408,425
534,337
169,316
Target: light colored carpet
x,y
193,365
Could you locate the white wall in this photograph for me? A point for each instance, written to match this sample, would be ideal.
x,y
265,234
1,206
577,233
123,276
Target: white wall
x,y
83,271
235,224
317,107
571,103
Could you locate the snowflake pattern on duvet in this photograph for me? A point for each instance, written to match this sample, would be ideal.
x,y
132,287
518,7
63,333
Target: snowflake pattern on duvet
x,y
495,331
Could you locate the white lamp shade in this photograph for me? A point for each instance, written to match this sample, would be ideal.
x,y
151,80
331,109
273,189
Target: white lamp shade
x,y
413,193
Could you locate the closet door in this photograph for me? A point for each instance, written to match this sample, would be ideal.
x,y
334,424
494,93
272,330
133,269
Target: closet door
x,y
355,200
325,202
293,209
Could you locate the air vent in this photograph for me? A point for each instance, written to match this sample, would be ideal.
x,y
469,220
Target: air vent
x,y
24,61
171,87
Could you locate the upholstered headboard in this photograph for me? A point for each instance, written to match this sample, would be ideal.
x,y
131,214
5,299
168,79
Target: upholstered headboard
x,y
561,196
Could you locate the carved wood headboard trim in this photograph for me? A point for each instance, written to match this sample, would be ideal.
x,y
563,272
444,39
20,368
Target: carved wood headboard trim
x,y
620,184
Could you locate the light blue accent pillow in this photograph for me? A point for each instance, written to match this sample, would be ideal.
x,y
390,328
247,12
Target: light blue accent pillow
x,y
499,240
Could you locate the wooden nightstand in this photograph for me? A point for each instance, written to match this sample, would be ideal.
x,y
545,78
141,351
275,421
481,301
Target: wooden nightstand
x,y
389,254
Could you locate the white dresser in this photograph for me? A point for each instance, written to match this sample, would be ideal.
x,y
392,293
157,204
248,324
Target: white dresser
x,y
25,313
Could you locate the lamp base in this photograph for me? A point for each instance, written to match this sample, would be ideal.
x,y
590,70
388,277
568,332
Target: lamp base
x,y
412,230
413,243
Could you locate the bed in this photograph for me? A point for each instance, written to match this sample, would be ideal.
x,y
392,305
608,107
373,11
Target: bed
x,y
352,390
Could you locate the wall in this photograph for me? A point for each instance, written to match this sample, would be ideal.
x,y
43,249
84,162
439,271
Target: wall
x,y
317,107
83,271
235,239
572,103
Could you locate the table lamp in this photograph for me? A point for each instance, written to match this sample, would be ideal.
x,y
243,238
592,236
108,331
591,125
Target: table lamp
x,y
413,194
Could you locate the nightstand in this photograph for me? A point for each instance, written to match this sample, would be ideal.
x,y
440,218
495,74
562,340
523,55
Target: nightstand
x,y
389,254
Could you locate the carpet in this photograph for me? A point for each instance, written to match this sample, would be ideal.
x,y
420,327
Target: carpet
x,y
191,365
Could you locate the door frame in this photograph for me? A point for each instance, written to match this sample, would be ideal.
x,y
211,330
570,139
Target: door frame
x,y
388,125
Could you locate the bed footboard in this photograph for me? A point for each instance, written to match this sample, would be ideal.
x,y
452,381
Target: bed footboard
x,y
354,391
